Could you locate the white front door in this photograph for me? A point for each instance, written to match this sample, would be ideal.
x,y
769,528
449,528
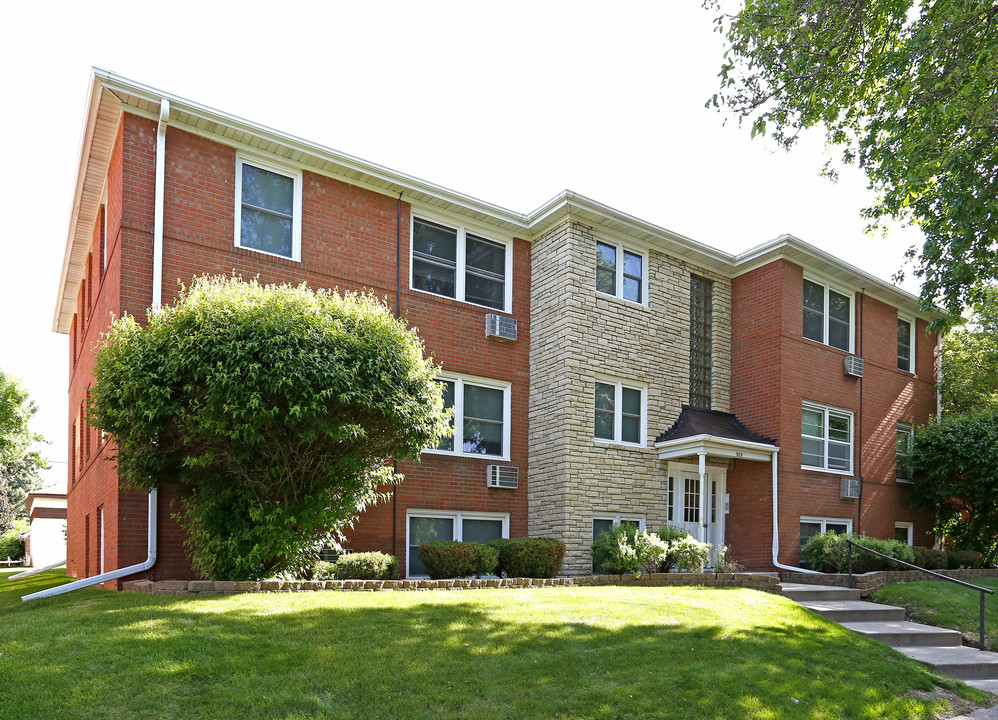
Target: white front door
x,y
700,510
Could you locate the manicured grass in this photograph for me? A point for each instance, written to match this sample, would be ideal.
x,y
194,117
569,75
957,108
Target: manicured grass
x,y
12,590
948,605
605,652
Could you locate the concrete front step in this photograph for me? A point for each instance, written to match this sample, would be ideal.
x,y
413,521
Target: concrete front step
x,y
803,593
843,611
960,662
898,634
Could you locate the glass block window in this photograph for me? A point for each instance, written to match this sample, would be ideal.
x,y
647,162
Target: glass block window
x,y
701,341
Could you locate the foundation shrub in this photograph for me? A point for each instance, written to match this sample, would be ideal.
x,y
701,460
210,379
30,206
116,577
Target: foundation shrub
x,y
623,549
367,566
449,559
529,557
829,552
669,534
957,559
930,558
324,570
691,555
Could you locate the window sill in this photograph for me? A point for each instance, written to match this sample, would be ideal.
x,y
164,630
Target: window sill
x,y
294,258
468,456
904,482
624,301
826,470
448,298
827,346
624,445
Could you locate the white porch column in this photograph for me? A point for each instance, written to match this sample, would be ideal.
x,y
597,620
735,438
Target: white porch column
x,y
703,497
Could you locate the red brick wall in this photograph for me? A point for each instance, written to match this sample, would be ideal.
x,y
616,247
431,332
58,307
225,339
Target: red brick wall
x,y
348,242
774,370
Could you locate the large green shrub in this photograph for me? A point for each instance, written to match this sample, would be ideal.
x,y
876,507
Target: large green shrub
x,y
367,566
11,545
957,559
691,554
625,549
829,552
272,410
529,557
669,534
930,558
449,559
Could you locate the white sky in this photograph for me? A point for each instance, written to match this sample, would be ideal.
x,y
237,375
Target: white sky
x,y
509,102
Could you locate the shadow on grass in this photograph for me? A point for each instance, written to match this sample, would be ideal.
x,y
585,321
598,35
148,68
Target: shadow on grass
x,y
580,653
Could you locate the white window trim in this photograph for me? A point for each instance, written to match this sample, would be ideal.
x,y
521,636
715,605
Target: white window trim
x,y
911,349
818,407
459,382
295,175
460,270
619,384
823,521
817,280
910,527
457,516
619,283
908,428
617,518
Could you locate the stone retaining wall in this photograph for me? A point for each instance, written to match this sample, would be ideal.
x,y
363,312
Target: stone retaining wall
x,y
766,583
869,583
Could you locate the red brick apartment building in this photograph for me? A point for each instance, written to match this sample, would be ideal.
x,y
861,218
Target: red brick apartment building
x,y
628,374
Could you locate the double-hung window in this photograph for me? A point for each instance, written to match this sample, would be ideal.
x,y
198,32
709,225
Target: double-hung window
x,y
268,209
432,525
826,438
811,526
481,417
902,471
906,345
827,316
620,272
619,412
453,262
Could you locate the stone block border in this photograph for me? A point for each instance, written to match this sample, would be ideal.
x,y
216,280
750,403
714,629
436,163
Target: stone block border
x,y
764,582
869,583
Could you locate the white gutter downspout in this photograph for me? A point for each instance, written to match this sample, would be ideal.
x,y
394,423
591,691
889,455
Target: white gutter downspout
x,y
35,571
157,232
113,574
776,524
157,301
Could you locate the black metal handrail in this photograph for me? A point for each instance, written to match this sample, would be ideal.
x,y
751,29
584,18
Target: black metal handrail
x,y
980,589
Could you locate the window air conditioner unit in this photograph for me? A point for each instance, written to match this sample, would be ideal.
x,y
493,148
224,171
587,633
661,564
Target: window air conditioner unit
x,y
502,476
500,327
854,366
850,488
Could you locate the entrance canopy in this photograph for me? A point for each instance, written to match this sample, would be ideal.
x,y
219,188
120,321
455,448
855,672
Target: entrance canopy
x,y
714,433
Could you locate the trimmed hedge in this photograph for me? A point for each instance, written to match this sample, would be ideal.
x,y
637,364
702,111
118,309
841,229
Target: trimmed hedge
x,y
828,552
449,559
358,566
529,557
957,559
930,558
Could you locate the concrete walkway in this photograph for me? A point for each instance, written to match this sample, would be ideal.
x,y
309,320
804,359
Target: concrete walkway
x,y
938,648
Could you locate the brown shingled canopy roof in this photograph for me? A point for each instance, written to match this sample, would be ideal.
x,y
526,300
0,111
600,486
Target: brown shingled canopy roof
x,y
696,421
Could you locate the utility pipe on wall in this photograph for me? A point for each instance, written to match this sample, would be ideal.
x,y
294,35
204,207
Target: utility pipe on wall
x,y
776,524
113,574
157,232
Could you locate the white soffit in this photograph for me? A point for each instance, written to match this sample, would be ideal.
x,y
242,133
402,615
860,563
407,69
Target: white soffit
x,y
96,145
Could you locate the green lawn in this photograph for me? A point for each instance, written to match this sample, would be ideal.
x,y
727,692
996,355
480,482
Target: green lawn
x,y
601,652
948,605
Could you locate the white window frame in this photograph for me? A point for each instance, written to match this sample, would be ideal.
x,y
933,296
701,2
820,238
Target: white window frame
x,y
621,248
826,314
459,383
460,271
910,430
910,527
296,176
824,521
911,346
826,409
619,384
617,518
458,516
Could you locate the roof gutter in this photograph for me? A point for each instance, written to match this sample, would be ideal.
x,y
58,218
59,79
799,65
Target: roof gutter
x,y
113,574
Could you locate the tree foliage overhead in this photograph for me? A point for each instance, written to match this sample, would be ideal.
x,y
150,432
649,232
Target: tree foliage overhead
x,y
955,464
272,409
907,90
970,359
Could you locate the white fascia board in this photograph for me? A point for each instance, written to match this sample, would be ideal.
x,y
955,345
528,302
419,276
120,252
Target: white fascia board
x,y
790,247
568,203
715,446
399,182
